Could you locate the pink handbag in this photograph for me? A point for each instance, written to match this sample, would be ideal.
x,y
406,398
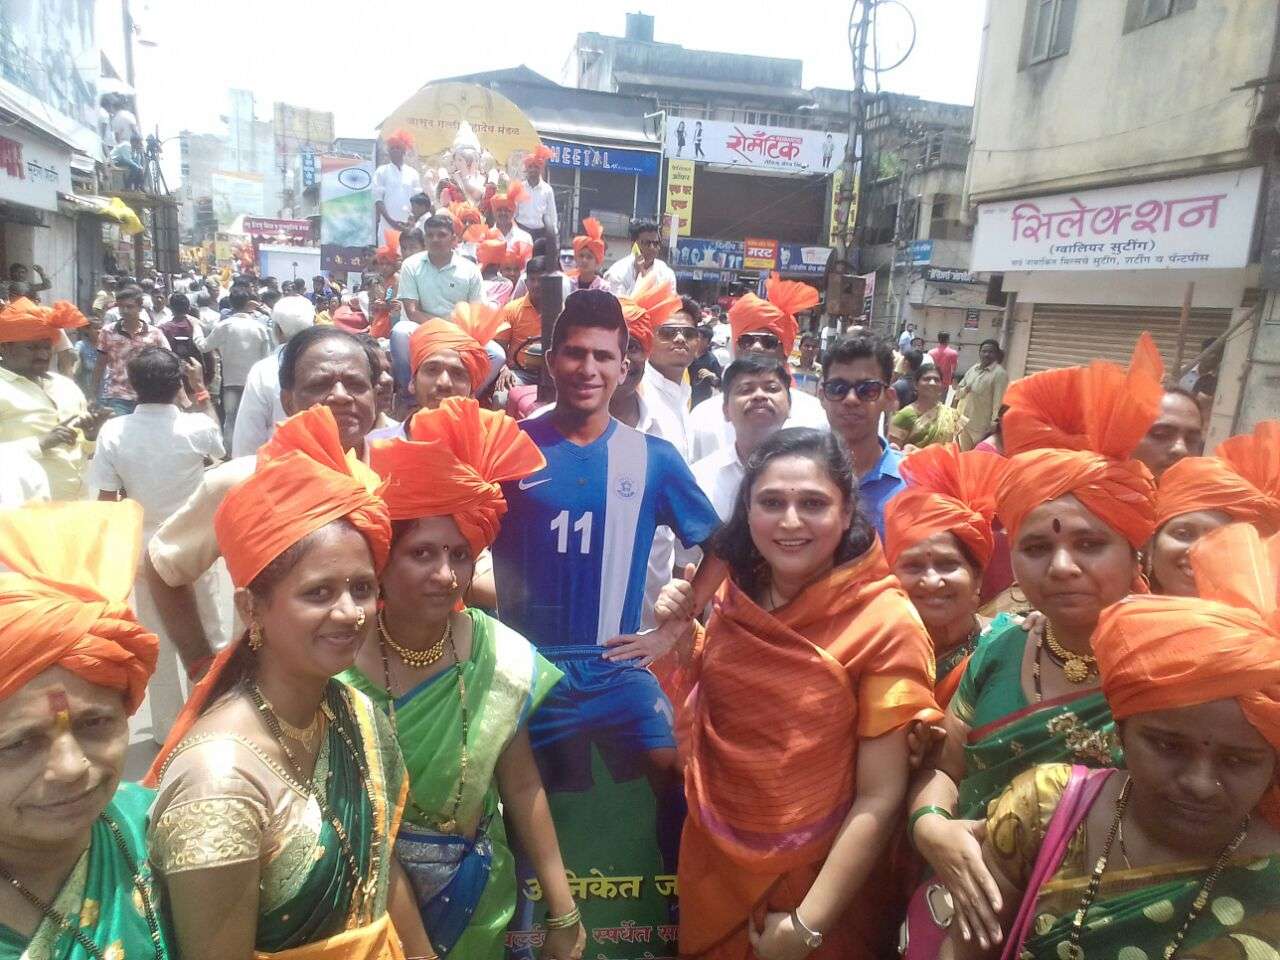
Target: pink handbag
x,y
930,912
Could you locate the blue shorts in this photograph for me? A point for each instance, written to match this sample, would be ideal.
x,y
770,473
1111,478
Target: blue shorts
x,y
616,707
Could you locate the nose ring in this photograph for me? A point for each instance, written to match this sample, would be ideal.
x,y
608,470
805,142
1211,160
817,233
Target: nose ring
x,y
360,618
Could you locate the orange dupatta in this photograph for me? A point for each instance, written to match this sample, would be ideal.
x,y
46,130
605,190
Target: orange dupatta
x,y
781,700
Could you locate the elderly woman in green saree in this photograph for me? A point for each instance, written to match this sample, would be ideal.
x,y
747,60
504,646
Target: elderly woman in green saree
x,y
1077,511
281,789
926,420
460,687
74,664
1179,854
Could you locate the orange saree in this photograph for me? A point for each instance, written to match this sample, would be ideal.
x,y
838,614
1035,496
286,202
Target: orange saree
x,y
779,702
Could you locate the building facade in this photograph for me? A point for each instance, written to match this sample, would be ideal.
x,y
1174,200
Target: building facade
x,y
1123,162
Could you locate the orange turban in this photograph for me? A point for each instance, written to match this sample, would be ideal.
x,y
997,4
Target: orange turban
x,y
593,241
452,464
539,157
514,195
66,570
467,214
947,492
649,306
303,482
1161,653
401,138
1242,480
435,335
777,314
491,247
1072,432
518,254
24,320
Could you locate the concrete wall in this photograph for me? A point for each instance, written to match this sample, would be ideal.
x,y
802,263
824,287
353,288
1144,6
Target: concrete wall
x,y
1154,102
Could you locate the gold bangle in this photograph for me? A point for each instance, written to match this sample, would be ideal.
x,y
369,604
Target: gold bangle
x,y
570,919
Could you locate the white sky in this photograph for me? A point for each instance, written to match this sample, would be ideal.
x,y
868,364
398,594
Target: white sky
x,y
361,59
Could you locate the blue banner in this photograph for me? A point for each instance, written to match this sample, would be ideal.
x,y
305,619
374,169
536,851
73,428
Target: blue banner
x,y
803,260
915,253
583,156
693,253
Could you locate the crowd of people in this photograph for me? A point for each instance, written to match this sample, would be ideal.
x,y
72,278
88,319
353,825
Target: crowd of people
x,y
911,659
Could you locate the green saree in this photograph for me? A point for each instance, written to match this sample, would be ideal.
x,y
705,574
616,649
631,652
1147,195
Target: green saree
x,y
1007,734
1137,912
222,800
99,895
505,681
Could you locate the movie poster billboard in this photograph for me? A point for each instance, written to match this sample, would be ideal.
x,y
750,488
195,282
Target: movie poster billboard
x,y
346,214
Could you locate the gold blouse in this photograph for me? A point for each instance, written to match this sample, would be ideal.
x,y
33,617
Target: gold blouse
x,y
1018,818
222,800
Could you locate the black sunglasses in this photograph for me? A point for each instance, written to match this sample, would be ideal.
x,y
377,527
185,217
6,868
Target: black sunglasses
x,y
766,340
867,391
669,332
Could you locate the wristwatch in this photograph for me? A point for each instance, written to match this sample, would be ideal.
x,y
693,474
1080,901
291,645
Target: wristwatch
x,y
812,938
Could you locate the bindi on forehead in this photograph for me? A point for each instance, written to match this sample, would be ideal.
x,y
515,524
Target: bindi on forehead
x,y
59,708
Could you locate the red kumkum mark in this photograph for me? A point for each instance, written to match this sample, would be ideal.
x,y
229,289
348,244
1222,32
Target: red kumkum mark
x,y
60,707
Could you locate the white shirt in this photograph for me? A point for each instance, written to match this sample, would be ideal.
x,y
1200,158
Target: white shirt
x,y
124,125
623,275
537,211
242,339
22,480
668,404
394,186
711,431
157,455
719,476
209,318
260,408
518,235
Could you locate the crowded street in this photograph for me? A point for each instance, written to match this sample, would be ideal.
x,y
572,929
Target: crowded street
x,y
638,484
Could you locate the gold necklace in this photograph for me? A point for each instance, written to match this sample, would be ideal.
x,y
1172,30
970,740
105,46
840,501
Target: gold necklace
x,y
308,736
1076,667
417,658
450,823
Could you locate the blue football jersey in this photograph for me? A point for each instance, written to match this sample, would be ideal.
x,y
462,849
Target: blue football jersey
x,y
571,557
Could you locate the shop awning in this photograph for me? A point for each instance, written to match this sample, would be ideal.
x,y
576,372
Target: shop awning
x,y
113,208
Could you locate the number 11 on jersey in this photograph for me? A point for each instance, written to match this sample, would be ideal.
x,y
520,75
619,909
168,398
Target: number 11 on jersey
x,y
581,526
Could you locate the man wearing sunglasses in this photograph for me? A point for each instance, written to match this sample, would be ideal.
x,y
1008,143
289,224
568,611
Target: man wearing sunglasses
x,y
665,386
755,330
855,394
646,241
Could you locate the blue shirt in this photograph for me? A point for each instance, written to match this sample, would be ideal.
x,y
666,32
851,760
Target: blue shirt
x,y
571,558
879,484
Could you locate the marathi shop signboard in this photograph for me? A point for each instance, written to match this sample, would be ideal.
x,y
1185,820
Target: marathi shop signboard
x,y
756,147
1193,222
798,260
760,254
584,156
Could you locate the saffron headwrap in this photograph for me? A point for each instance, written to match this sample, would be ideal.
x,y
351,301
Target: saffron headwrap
x,y
401,138
593,240
648,307
1241,480
947,492
539,157
491,247
1073,431
514,195
1161,653
24,320
66,570
389,252
776,314
453,463
518,254
456,334
303,482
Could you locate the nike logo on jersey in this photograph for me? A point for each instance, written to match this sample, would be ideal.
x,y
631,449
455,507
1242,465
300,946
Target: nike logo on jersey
x,y
526,483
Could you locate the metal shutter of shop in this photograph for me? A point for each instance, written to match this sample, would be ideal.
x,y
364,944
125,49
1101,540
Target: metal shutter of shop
x,y
1071,335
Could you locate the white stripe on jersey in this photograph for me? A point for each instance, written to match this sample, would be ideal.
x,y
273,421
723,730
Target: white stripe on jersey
x,y
628,453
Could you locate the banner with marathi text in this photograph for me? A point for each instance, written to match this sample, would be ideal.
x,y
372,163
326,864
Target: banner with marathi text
x,y
680,175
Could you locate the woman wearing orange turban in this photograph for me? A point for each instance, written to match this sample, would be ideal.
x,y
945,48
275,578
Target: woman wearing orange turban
x,y
1240,483
74,665
1178,854
460,686
938,542
1077,511
276,778
588,256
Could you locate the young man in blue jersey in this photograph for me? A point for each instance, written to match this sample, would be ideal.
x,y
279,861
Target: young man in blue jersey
x,y
571,560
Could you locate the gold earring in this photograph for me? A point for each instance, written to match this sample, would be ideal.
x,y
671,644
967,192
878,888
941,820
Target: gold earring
x,y
454,584
360,618
255,637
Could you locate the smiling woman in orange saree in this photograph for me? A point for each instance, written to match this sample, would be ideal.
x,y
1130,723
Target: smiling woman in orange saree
x,y
794,724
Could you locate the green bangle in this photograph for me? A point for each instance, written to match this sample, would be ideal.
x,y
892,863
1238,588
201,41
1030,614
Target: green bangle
x,y
924,812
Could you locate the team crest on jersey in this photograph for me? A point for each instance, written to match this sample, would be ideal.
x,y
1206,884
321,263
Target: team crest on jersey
x,y
625,488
